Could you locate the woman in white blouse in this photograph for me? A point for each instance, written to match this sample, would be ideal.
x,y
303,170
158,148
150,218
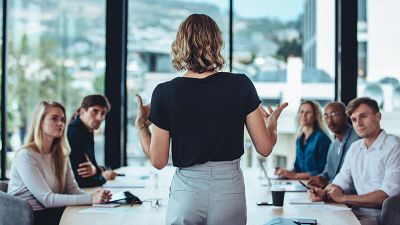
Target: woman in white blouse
x,y
41,171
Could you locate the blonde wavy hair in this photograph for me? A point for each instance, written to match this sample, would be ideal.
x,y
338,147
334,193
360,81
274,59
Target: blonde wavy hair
x,y
60,147
198,45
318,123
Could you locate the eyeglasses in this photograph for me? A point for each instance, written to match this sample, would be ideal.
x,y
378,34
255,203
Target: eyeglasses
x,y
332,114
154,203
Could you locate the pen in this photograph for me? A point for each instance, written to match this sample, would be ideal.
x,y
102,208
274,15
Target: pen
x,y
264,203
118,174
306,186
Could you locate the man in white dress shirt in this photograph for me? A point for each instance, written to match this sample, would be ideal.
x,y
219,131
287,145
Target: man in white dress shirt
x,y
371,166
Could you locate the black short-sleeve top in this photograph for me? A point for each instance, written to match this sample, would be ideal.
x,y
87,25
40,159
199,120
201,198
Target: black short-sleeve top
x,y
205,117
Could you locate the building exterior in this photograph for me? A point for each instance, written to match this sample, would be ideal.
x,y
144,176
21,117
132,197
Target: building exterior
x,y
378,46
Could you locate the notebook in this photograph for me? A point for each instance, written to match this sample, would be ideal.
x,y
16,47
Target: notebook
x,y
293,187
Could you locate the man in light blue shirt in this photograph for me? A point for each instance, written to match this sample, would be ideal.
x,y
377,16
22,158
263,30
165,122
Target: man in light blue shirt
x,y
336,119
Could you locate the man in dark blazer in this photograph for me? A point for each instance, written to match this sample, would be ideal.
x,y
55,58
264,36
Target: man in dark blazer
x,y
85,121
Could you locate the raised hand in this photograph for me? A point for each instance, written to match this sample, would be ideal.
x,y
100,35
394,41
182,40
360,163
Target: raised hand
x,y
271,119
274,114
271,116
142,117
87,169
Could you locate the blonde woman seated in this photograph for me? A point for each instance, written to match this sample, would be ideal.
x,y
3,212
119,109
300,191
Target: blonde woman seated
x,y
41,172
312,144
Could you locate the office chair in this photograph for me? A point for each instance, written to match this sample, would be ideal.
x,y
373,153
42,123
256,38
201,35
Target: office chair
x,y
3,186
14,210
390,214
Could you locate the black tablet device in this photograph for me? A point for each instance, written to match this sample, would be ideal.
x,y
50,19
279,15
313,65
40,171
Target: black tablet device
x,y
126,197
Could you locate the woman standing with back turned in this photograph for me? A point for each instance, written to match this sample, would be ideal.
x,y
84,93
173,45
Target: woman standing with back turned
x,y
203,113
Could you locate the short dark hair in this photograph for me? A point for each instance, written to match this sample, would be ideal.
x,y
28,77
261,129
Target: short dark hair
x,y
355,103
341,105
93,100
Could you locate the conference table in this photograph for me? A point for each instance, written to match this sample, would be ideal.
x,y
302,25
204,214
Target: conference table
x,y
152,187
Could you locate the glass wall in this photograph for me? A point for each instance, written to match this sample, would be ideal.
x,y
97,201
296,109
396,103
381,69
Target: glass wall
x,y
287,49
56,52
1,97
378,58
152,28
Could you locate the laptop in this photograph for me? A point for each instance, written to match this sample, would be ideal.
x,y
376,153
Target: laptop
x,y
288,185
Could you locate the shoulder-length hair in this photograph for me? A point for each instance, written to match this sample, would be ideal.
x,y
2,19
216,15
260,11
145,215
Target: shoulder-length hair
x,y
59,148
198,45
318,123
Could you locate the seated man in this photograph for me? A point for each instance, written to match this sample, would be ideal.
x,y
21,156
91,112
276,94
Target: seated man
x,y
371,166
336,119
80,136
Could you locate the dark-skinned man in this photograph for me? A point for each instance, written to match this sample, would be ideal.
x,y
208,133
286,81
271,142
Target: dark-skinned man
x,y
336,119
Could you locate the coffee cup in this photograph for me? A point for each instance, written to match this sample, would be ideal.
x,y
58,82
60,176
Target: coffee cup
x,y
278,196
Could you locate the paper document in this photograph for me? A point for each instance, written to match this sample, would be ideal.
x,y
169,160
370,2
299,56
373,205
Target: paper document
x,y
304,201
324,207
109,205
106,210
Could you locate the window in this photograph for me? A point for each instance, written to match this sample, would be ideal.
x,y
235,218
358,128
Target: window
x,y
362,11
1,96
287,49
379,59
56,51
150,35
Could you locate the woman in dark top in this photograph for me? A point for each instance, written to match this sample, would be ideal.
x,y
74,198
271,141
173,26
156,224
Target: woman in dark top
x,y
203,113
312,144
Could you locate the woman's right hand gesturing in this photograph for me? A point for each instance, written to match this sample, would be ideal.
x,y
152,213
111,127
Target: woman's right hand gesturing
x,y
271,117
262,127
101,196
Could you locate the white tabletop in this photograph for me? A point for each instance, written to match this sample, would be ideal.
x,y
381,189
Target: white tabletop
x,y
326,214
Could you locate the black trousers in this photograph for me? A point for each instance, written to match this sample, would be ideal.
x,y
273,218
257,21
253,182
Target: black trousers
x,y
51,216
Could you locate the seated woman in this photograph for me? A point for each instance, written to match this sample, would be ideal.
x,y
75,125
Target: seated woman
x,y
41,172
312,144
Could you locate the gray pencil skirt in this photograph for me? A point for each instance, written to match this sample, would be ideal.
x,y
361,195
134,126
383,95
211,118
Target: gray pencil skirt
x,y
212,193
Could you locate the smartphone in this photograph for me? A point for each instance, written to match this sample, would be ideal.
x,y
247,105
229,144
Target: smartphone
x,y
264,203
305,221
